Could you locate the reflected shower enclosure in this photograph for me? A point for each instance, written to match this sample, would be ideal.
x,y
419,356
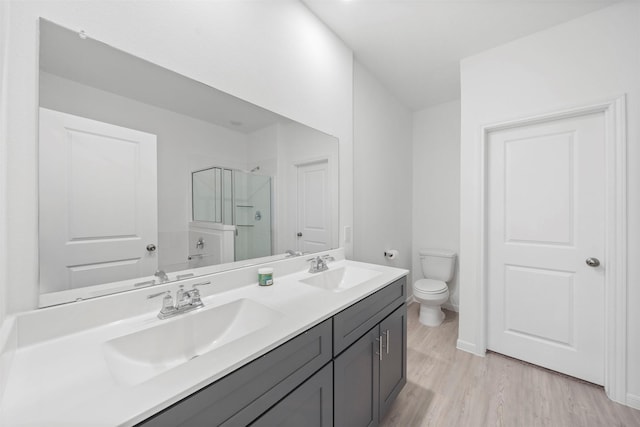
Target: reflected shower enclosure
x,y
235,198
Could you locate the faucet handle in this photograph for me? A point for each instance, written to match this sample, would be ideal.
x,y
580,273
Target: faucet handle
x,y
200,243
167,302
158,294
195,293
195,285
316,263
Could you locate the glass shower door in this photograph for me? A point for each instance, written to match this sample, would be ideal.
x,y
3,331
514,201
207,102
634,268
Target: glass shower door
x,y
252,208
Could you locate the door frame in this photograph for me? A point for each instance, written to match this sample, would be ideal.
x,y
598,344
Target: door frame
x,y
615,304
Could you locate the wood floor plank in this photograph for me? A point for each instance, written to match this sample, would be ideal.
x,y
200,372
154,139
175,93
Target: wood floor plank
x,y
449,387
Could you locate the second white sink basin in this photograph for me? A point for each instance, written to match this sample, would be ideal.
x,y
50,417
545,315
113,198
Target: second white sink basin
x,y
141,355
341,278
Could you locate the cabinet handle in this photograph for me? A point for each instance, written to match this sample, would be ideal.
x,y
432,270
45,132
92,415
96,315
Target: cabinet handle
x,y
379,353
388,341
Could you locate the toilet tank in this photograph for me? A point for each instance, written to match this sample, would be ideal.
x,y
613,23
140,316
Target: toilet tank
x,y
437,264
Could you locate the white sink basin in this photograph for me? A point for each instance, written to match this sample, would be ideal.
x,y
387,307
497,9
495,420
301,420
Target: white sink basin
x,y
340,279
141,355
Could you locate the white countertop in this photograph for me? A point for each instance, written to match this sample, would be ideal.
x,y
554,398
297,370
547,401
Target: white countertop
x,y
65,380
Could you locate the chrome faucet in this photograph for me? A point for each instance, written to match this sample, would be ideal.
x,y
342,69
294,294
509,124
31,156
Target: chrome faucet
x,y
182,298
160,274
167,309
319,263
185,301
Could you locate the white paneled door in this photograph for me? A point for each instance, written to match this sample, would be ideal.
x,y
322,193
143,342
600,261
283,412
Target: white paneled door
x,y
314,207
545,230
98,202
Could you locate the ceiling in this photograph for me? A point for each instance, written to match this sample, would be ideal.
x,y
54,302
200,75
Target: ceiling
x,y
414,47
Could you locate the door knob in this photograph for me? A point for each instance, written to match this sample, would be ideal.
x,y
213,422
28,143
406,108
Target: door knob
x,y
151,247
592,262
299,234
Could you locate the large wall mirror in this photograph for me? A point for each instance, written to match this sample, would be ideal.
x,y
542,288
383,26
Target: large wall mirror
x,y
147,176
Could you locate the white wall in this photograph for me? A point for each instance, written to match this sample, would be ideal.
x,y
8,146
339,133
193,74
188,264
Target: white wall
x,y
262,151
436,185
274,54
7,338
593,58
382,173
4,39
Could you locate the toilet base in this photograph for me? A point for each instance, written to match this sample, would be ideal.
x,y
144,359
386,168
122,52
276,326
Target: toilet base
x,y
431,315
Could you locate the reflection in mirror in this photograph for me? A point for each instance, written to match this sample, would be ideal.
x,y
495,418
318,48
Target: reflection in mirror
x,y
207,196
147,176
231,197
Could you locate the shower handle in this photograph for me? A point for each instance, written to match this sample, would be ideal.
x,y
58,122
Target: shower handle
x,y
200,243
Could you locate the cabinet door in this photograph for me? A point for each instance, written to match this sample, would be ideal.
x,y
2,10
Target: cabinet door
x,y
393,366
356,379
310,405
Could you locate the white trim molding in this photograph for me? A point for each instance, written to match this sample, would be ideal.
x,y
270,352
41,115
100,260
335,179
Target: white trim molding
x,y
633,400
615,305
470,347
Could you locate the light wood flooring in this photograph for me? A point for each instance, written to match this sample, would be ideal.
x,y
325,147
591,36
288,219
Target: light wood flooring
x,y
449,387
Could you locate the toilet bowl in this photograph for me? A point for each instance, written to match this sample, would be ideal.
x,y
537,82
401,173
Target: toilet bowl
x,y
430,294
432,291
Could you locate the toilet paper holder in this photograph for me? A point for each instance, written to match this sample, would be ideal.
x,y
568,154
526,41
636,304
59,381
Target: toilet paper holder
x,y
391,254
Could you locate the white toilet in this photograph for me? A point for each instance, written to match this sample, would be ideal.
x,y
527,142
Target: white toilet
x,y
432,291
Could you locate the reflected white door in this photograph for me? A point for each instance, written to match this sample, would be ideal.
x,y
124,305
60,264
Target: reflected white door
x,y
314,207
98,202
546,189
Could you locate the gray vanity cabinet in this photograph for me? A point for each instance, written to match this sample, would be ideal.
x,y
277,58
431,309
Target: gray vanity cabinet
x,y
310,405
353,322
345,371
244,395
393,366
356,381
371,372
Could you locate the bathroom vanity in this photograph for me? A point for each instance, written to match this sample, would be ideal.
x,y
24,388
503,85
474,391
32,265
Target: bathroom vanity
x,y
347,370
324,348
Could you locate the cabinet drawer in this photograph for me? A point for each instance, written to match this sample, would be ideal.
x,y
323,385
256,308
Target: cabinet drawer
x,y
242,396
353,322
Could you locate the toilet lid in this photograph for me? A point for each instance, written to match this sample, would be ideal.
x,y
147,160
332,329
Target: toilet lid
x,y
430,286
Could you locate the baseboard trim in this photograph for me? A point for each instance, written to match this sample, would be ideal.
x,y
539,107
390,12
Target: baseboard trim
x,y
468,347
633,401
